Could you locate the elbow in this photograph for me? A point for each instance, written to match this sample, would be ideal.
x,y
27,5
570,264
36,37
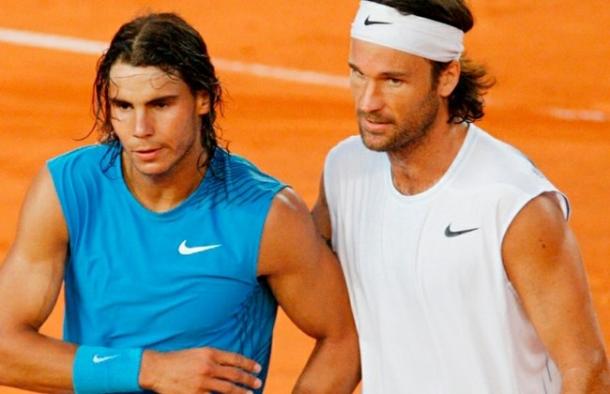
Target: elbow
x,y
10,352
591,377
351,345
345,343
5,354
345,337
6,338
599,381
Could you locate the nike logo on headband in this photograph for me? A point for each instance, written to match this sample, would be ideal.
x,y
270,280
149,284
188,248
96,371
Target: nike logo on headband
x,y
368,22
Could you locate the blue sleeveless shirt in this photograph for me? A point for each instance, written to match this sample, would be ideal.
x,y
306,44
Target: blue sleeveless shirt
x,y
166,281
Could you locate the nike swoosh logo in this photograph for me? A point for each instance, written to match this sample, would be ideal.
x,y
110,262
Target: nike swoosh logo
x,y
450,233
188,250
99,359
368,22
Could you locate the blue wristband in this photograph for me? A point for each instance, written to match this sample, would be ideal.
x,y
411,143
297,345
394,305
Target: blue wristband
x,y
105,370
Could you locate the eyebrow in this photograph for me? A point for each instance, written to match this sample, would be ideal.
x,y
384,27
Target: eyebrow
x,y
169,97
386,74
120,102
394,74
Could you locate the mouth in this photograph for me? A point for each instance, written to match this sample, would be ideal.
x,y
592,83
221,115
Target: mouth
x,y
374,125
147,154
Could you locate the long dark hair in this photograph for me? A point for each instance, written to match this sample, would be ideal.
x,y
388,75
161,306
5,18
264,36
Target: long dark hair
x,y
166,41
466,102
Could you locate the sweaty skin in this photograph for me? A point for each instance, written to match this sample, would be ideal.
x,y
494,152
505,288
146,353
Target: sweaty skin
x,y
401,113
156,117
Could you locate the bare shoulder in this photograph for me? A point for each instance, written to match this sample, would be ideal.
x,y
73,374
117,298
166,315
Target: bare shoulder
x,y
287,201
41,223
288,230
42,198
540,231
42,184
288,213
542,209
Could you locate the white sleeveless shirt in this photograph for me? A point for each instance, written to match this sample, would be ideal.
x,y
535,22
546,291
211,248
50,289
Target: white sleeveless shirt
x,y
434,308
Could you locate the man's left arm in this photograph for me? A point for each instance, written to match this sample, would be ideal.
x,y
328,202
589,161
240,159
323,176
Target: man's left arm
x,y
543,262
308,283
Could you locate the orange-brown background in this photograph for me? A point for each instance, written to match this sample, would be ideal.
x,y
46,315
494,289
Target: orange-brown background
x,y
550,57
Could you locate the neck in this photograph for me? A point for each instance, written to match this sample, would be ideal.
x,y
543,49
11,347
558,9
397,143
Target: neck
x,y
161,193
419,165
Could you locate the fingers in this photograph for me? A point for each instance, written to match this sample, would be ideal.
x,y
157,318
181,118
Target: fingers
x,y
237,376
235,360
232,372
205,370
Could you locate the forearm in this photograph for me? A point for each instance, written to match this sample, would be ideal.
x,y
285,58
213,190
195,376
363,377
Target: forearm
x,y
31,361
333,367
590,379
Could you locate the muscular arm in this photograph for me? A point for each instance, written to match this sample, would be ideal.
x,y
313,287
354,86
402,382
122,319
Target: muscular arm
x,y
30,280
308,283
542,260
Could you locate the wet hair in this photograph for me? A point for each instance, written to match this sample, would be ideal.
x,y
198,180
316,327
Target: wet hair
x,y
466,102
166,41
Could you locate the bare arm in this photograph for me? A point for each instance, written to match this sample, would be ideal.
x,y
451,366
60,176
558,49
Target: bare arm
x,y
30,280
543,262
308,283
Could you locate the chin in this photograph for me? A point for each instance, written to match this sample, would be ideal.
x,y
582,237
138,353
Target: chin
x,y
375,147
374,142
151,169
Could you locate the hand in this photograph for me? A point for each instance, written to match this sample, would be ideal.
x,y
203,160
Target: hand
x,y
200,370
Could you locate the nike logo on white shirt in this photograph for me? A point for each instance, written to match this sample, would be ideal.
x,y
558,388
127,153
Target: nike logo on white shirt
x,y
187,250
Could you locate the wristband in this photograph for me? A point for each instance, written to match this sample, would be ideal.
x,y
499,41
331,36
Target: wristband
x,y
99,370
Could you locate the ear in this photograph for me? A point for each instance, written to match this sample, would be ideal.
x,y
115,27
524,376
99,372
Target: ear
x,y
202,103
449,79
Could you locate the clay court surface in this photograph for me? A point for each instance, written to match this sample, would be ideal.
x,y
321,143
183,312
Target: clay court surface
x,y
550,57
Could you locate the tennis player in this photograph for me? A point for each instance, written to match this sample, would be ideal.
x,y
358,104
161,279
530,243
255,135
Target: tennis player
x,y
463,273
174,253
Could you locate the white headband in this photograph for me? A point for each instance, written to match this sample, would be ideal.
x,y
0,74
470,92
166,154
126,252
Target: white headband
x,y
383,25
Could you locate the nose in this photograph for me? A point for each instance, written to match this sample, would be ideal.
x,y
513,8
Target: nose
x,y
370,99
143,125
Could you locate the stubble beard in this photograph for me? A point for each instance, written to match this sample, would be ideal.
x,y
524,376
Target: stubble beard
x,y
410,133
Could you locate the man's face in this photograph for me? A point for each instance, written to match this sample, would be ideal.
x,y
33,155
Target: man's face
x,y
395,99
157,119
